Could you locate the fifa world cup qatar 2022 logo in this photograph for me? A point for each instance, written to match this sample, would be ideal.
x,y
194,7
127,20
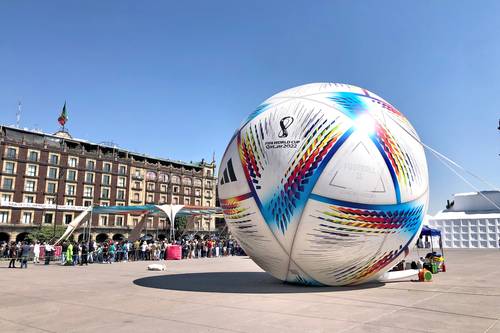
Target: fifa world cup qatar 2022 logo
x,y
285,122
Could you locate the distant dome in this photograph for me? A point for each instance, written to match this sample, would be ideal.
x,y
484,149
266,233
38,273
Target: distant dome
x,y
63,134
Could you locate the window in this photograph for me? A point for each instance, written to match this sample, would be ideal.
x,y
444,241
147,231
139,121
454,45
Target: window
x,y
186,181
9,167
135,221
136,197
89,177
187,201
72,162
71,175
104,203
87,203
151,186
103,220
197,182
90,165
4,217
106,179
150,198
29,199
119,221
209,183
68,218
31,170
175,201
151,175
163,177
137,185
120,195
105,192
207,203
88,191
175,179
187,190
106,167
197,192
121,182
70,189
175,189
51,187
163,188
197,202
11,152
208,194
53,159
6,197
163,199
29,185
27,218
33,156
7,183
50,200
70,202
120,204
122,169
52,172
48,218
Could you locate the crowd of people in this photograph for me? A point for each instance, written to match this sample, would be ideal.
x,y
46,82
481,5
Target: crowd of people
x,y
88,252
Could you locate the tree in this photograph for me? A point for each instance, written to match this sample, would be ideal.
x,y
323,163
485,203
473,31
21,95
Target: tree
x,y
180,224
46,233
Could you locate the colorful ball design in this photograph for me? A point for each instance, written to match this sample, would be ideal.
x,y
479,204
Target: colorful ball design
x,y
325,184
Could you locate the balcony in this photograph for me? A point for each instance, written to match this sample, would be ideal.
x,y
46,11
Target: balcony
x,y
135,201
137,177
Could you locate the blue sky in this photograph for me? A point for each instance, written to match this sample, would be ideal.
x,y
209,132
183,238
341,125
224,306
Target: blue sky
x,y
175,79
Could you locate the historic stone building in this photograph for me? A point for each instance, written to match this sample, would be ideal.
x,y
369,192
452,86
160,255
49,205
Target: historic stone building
x,y
48,179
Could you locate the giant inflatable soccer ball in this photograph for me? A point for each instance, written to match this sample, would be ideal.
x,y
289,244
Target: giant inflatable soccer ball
x,y
325,184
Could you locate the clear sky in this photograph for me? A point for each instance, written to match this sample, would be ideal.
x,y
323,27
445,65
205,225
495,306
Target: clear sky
x,y
176,78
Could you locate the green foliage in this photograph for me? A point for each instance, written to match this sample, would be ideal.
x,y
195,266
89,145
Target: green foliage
x,y
180,223
46,233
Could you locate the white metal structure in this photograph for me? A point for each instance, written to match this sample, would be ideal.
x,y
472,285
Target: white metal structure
x,y
470,221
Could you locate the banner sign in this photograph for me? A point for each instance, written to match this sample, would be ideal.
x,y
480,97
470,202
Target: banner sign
x,y
13,204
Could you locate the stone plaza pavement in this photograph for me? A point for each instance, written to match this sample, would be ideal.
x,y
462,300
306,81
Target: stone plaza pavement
x,y
233,294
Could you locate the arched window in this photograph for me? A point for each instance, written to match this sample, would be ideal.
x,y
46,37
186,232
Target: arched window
x,y
151,175
175,179
163,177
186,181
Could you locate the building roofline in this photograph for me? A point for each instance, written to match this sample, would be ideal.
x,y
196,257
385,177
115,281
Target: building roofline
x,y
83,141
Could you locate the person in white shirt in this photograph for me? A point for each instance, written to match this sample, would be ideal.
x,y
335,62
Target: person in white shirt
x,y
36,252
48,253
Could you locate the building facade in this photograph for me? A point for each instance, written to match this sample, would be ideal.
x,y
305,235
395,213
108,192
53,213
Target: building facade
x,y
470,220
49,179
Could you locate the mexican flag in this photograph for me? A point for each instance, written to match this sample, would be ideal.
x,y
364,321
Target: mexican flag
x,y
63,118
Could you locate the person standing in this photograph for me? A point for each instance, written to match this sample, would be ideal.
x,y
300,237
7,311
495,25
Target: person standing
x,y
25,252
63,253
36,253
12,255
69,254
84,258
49,252
112,252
